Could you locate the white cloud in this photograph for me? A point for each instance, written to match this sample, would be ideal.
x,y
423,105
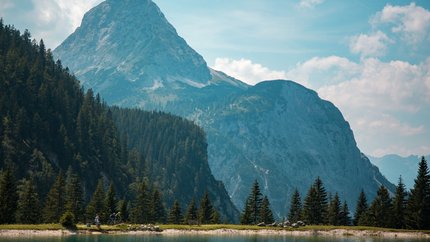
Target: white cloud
x,y
247,71
309,3
370,45
411,21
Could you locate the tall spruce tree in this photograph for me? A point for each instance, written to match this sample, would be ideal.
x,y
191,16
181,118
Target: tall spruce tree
x,y
74,196
55,201
8,197
310,207
140,209
322,203
96,206
245,217
418,208
123,210
157,211
191,216
344,218
28,206
334,211
205,210
360,209
266,215
295,212
399,206
380,211
253,204
175,214
111,200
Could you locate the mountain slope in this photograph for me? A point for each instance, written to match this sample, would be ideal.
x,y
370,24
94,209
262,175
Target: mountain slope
x,y
278,132
50,124
394,166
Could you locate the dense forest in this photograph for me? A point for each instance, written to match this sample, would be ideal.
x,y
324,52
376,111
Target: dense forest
x,y
57,138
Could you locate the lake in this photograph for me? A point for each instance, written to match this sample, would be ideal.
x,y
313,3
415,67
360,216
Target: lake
x,y
199,238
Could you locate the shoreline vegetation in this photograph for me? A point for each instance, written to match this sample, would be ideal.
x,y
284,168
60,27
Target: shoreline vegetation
x,y
18,230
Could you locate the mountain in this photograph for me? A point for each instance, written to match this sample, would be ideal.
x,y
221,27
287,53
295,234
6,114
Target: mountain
x,y
278,132
393,166
50,125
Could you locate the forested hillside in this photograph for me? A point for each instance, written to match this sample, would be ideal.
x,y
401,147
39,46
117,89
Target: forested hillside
x,y
50,127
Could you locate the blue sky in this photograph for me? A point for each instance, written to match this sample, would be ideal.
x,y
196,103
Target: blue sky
x,y
370,58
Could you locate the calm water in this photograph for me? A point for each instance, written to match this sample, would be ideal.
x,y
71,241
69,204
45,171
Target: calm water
x,y
197,238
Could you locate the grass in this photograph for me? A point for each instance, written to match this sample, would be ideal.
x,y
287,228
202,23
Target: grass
x,y
125,227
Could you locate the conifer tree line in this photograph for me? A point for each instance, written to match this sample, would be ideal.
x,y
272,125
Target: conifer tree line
x,y
403,210
59,141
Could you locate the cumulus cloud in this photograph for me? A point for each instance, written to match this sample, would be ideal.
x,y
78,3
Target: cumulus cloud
x,y
309,3
411,21
247,71
370,45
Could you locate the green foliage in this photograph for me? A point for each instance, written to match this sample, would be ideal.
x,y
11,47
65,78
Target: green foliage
x,y
67,220
74,201
251,211
54,202
266,215
334,211
399,206
205,211
360,209
110,200
344,218
295,212
140,207
192,215
97,206
380,211
8,197
28,207
315,204
157,213
418,207
175,214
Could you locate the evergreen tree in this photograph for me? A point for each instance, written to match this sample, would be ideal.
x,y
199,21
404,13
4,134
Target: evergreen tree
x,y
322,203
8,197
191,216
418,208
310,207
28,206
344,218
399,206
205,210
74,196
215,217
55,201
157,211
334,211
266,215
110,200
295,208
175,214
140,210
360,209
96,206
380,211
252,208
123,210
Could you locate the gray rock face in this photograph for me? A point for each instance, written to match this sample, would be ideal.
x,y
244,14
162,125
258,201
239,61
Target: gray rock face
x,y
278,132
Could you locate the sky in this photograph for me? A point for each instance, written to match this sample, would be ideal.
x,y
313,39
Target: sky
x,y
370,58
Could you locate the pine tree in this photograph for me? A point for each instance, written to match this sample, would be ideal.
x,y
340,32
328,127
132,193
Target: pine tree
x,y
344,219
334,211
360,209
310,207
266,215
110,200
380,211
175,214
96,206
253,205
205,210
140,210
55,201
123,210
74,196
399,206
245,217
191,216
295,208
322,203
418,208
215,217
28,206
8,197
157,211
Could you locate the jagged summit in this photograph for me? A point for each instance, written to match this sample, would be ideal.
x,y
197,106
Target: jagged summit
x,y
132,45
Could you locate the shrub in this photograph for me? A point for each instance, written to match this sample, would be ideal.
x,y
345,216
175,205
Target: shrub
x,y
67,220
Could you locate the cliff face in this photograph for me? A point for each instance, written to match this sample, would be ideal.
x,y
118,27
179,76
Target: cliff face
x,y
278,132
